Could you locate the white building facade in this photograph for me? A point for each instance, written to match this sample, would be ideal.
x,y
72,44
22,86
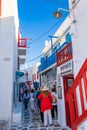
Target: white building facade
x,y
35,76
72,73
48,69
8,55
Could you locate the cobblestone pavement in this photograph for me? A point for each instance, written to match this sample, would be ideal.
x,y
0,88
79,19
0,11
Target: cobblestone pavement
x,y
31,121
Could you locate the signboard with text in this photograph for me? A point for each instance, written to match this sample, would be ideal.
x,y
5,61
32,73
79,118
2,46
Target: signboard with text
x,y
67,68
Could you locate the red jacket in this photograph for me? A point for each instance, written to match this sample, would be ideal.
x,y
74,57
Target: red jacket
x,y
46,103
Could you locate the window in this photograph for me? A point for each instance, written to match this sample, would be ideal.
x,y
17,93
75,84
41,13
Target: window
x,y
70,81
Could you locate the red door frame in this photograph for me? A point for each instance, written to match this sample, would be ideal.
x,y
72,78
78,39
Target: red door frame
x,y
66,88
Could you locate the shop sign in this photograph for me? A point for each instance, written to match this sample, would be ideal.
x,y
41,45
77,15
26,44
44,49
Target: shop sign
x,y
67,68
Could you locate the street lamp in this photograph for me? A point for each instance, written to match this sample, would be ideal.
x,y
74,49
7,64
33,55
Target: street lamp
x,y
58,13
52,42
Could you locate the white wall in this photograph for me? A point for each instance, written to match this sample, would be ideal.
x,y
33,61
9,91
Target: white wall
x,y
79,43
9,8
34,69
79,36
58,33
61,103
6,66
8,56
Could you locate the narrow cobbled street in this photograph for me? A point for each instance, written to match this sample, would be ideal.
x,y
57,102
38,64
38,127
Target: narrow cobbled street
x,y
31,121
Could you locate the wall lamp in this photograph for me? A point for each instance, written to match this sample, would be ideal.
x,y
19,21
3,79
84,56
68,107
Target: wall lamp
x,y
58,13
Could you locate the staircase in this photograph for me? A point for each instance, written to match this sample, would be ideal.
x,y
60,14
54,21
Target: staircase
x,y
77,99
31,121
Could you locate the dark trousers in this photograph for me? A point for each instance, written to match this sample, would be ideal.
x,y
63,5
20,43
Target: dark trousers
x,y
42,116
54,111
26,103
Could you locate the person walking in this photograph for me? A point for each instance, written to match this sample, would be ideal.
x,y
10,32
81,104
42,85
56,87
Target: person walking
x,y
36,92
32,103
54,110
46,105
39,105
26,98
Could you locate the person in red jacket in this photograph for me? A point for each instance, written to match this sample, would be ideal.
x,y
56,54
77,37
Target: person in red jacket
x,y
46,105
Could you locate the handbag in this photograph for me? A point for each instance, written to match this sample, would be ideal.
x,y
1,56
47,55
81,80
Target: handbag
x,y
54,100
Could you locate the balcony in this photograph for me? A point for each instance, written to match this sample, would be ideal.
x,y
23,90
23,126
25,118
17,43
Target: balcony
x,y
65,54
22,42
47,62
21,50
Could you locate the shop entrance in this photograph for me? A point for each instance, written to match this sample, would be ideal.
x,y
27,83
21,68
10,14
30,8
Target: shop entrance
x,y
67,82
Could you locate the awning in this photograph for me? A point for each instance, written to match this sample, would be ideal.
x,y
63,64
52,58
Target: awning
x,y
19,74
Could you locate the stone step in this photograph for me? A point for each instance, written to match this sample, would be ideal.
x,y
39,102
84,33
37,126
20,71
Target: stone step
x,y
31,121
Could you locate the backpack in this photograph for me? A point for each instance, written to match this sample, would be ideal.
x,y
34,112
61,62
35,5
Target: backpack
x,y
54,100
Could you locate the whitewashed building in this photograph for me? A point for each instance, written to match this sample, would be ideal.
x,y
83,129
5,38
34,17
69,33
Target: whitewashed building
x,y
72,73
48,69
35,76
9,24
71,64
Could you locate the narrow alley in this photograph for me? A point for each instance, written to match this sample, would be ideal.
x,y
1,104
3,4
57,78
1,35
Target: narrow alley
x,y
31,121
43,57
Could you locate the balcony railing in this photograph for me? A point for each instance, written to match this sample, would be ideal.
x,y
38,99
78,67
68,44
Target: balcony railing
x,y
65,49
77,98
48,62
65,54
22,42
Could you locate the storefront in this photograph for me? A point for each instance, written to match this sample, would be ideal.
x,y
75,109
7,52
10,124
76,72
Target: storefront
x,y
65,78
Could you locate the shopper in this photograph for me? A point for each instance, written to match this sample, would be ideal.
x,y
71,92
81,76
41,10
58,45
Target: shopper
x,y
36,92
39,105
46,105
54,104
32,103
26,98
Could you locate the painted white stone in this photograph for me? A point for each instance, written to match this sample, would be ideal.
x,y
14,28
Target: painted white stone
x,y
8,56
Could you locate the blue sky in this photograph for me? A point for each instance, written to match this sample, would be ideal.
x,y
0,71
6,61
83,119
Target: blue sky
x,y
36,21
